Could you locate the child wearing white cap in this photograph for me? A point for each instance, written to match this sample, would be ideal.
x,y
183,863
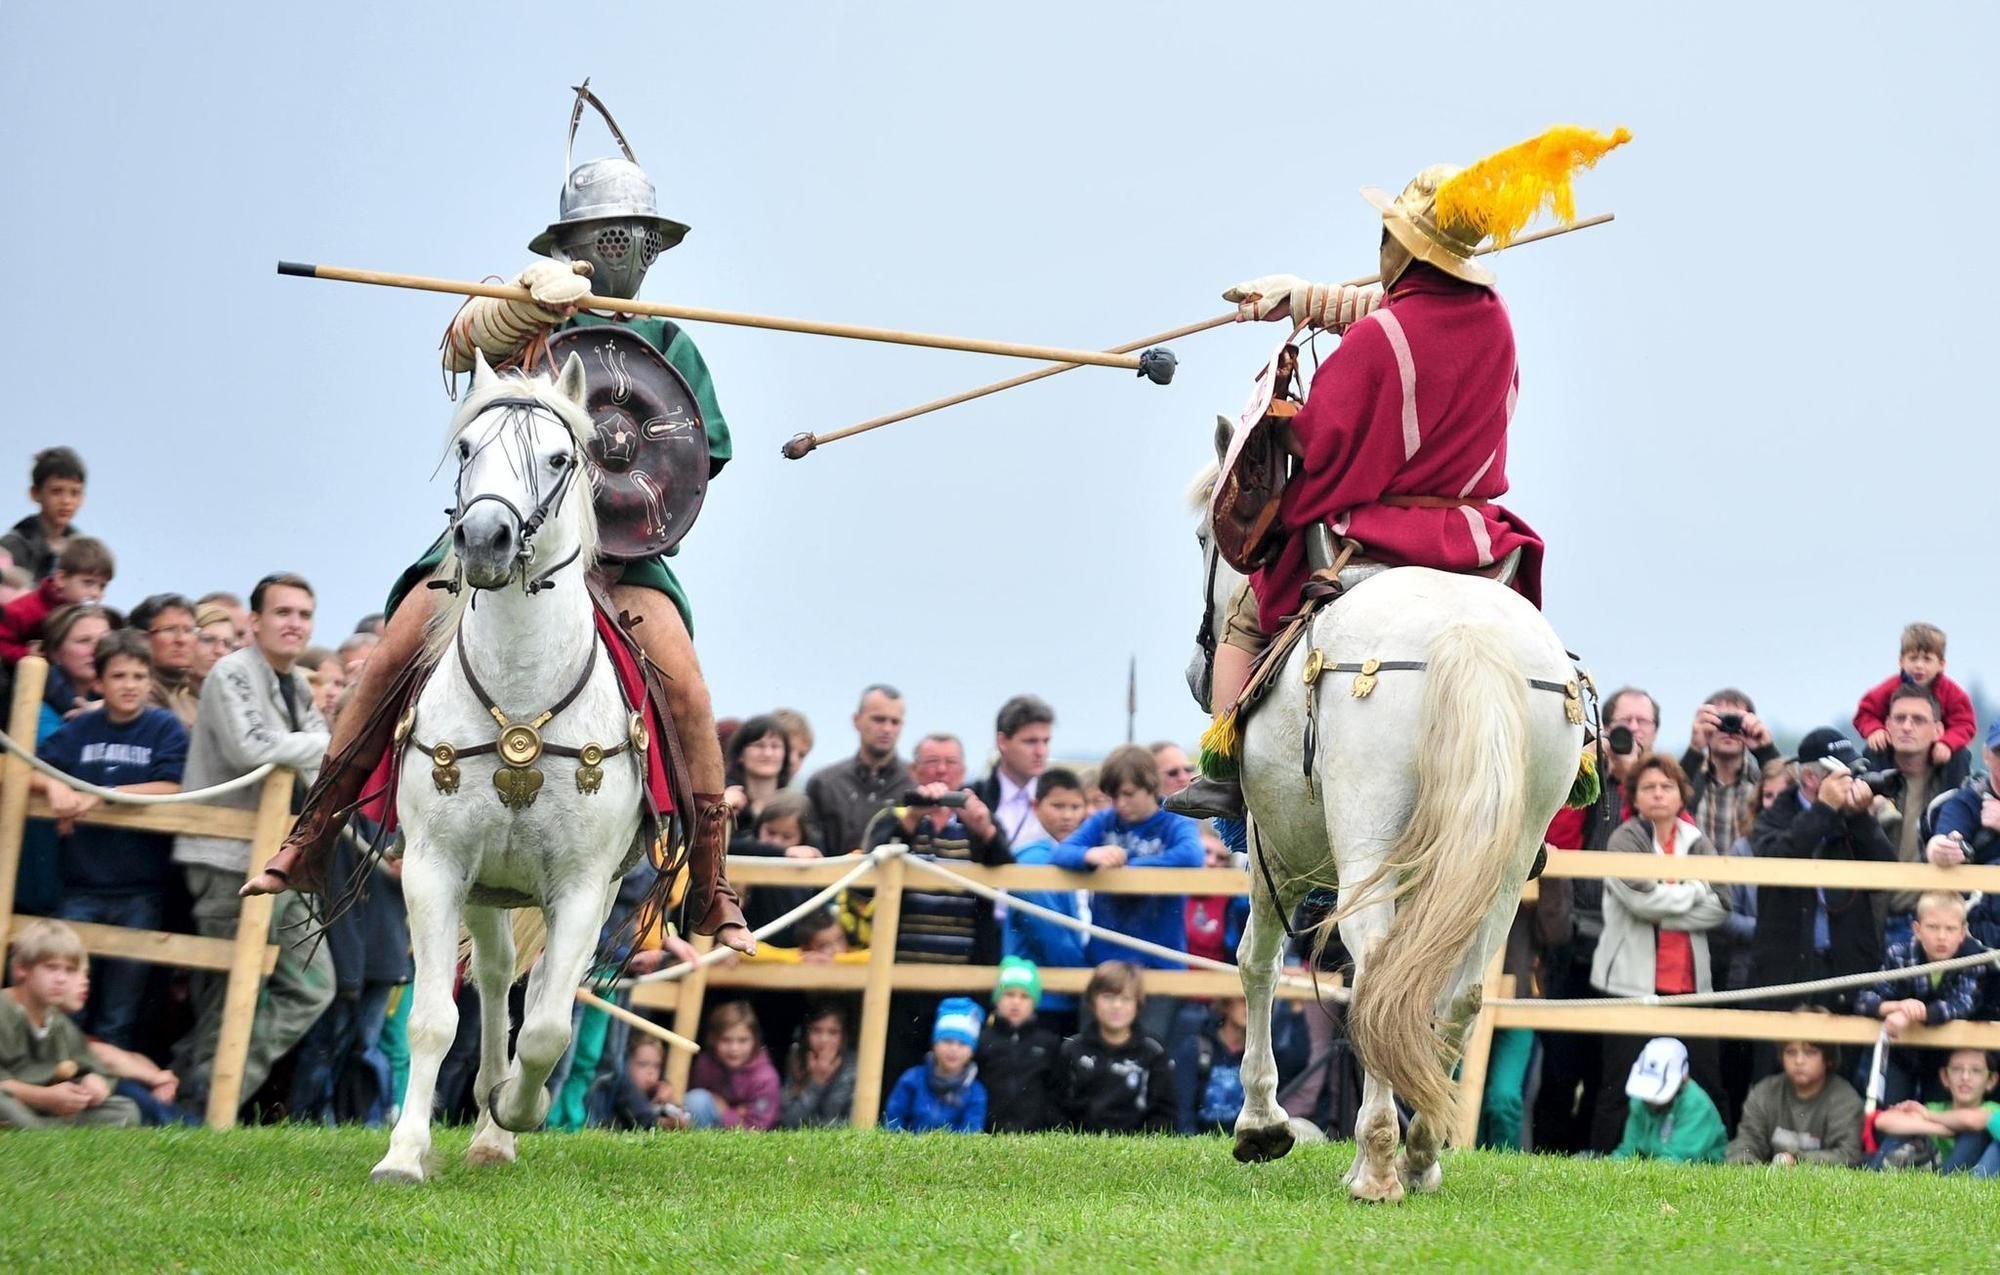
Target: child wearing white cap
x,y
1670,1118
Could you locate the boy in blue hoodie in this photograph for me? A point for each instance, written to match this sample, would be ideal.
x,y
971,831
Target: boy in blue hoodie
x,y
1136,833
943,1091
1060,808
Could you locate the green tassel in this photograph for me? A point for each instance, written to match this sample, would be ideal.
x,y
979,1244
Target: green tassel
x,y
1586,789
1220,745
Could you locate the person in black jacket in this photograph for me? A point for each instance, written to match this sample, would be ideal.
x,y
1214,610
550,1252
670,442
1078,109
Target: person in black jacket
x,y
1115,1078
1017,1055
1815,933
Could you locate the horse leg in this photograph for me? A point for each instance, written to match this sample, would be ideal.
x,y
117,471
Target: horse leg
x,y
1418,1167
493,974
520,1101
432,895
1376,1131
1263,1131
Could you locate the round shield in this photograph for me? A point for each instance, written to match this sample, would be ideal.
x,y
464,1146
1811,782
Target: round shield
x,y
649,460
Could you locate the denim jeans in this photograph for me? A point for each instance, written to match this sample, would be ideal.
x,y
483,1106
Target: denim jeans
x,y
117,988
345,1035
702,1110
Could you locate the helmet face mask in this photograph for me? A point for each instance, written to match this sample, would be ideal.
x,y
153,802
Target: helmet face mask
x,y
619,251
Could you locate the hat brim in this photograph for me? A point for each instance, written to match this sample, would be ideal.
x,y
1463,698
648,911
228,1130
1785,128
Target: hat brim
x,y
1647,1089
1422,246
670,230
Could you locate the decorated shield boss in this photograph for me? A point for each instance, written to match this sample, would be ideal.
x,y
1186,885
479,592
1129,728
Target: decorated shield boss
x,y
649,461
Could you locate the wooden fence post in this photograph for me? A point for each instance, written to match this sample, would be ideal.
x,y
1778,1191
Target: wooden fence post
x,y
887,919
687,1018
1479,1053
253,932
17,781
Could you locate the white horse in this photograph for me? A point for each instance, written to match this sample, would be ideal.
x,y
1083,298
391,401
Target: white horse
x,y
553,829
1428,799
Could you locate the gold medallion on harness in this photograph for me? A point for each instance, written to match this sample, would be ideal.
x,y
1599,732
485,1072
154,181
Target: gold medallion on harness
x,y
520,744
1573,703
518,786
405,724
590,769
1364,682
1315,665
444,768
637,732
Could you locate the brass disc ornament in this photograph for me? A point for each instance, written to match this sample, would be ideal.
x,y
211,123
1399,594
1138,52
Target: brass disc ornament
x,y
520,744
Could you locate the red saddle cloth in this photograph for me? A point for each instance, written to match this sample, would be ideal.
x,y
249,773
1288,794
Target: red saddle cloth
x,y
379,800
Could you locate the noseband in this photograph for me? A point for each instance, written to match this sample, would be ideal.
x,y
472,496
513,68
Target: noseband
x,y
526,524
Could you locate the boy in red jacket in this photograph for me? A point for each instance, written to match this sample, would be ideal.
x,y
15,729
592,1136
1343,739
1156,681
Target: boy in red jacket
x,y
1922,662
83,569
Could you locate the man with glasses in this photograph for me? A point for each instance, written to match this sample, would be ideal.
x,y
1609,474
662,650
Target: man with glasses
x,y
167,620
1176,771
1910,780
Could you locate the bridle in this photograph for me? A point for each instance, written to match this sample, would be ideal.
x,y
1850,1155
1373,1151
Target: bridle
x,y
526,524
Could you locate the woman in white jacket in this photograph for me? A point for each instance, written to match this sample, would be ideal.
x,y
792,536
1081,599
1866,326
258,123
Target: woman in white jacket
x,y
1655,932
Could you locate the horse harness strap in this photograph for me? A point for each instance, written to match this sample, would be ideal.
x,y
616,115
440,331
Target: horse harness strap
x,y
520,744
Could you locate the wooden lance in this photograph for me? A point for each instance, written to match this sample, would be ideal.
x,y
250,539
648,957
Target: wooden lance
x,y
697,314
805,443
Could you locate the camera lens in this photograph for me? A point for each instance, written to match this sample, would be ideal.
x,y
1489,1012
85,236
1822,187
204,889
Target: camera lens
x,y
1730,723
1621,740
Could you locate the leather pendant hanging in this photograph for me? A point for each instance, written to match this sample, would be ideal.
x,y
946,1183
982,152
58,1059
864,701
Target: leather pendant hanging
x,y
444,769
589,769
518,786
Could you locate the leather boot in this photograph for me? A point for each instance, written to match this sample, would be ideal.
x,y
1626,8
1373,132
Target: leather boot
x,y
1207,798
712,901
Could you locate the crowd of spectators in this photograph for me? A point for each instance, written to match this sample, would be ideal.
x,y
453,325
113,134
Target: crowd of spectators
x,y
182,691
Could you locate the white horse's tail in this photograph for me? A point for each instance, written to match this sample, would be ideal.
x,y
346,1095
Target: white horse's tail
x,y
531,935
1449,865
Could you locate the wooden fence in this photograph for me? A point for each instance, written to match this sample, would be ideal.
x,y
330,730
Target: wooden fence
x,y
249,955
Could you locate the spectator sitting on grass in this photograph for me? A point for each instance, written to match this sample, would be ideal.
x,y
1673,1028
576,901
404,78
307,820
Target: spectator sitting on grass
x,y
733,1084
820,1071
1017,1054
1806,1114
1953,1136
1116,1079
1670,1118
48,1078
1208,1069
943,1091
151,1087
644,1099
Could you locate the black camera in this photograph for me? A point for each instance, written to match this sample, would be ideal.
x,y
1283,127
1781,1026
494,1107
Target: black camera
x,y
1621,741
1729,723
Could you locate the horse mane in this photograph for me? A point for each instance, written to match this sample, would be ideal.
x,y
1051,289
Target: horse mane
x,y
542,388
1201,493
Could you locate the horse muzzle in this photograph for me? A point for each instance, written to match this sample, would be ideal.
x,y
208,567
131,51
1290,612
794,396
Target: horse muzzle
x,y
487,539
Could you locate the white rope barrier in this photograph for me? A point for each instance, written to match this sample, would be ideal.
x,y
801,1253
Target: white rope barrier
x,y
1782,991
133,798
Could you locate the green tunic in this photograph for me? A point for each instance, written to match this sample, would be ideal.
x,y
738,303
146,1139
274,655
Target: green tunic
x,y
647,573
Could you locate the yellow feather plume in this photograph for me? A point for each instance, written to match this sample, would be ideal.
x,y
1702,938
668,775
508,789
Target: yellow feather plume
x,y
1500,194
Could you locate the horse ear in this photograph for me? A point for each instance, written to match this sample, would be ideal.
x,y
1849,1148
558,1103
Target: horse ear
x,y
1224,432
570,383
482,371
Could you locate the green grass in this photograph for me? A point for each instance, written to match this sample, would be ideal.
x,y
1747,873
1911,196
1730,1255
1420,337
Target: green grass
x,y
284,1199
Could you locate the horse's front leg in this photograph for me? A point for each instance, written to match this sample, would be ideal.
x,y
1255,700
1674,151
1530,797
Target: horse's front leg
x,y
1376,1131
520,1102
1263,1130
433,895
493,973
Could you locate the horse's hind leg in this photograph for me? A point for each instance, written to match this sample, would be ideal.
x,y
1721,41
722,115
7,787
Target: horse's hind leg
x,y
493,972
1263,1131
1376,1129
432,895
520,1102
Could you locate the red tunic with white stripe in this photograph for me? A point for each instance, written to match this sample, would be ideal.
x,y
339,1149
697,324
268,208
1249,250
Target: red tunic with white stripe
x,y
1414,402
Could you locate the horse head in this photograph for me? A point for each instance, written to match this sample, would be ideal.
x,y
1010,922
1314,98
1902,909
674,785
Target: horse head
x,y
523,506
1219,578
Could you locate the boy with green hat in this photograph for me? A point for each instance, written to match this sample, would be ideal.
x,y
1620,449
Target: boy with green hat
x,y
1017,1054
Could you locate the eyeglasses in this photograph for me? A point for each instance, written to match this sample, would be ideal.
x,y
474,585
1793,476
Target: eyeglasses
x,y
173,630
1968,1071
1176,772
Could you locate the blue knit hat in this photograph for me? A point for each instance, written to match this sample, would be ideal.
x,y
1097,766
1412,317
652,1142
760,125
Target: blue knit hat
x,y
958,1019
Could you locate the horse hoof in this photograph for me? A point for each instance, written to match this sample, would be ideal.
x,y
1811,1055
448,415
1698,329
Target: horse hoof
x,y
387,1175
1254,1146
497,1107
482,1154
1424,1183
1389,1192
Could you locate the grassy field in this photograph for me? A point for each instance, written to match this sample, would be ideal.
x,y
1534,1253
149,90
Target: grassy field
x,y
278,1199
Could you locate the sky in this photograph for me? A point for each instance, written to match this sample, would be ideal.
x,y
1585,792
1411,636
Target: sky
x,y
1752,423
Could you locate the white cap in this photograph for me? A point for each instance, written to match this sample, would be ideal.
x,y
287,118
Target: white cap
x,y
1657,1076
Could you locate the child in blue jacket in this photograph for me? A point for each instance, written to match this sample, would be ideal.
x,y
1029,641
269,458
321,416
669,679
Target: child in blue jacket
x,y
1134,833
943,1091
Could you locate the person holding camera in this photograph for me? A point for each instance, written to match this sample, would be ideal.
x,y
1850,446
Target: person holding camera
x,y
1807,933
1966,826
1727,751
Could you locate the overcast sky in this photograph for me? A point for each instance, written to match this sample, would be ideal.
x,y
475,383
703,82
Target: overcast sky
x,y
1753,425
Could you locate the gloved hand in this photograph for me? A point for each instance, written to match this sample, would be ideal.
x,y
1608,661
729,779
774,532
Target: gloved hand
x,y
1330,306
556,284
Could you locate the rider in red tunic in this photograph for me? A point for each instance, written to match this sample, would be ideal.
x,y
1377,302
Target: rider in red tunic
x,y
1401,446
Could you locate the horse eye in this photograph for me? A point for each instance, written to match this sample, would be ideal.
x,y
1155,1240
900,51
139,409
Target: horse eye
x,y
464,449
558,460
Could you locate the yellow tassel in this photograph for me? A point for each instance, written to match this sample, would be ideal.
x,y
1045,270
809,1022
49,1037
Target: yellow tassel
x,y
1219,745
1500,194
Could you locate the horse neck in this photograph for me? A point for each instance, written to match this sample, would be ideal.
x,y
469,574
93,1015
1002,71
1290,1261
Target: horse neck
x,y
529,649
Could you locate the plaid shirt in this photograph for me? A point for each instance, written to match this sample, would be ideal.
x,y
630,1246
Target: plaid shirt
x,y
1720,812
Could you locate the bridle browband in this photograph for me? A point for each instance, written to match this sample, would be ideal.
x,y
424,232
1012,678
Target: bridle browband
x,y
529,523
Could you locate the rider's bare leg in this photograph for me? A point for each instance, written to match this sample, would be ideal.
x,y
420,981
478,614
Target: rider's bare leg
x,y
664,638
1232,670
402,643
